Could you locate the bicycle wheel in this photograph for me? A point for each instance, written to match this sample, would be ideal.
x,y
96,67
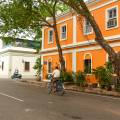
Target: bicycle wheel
x,y
59,88
49,88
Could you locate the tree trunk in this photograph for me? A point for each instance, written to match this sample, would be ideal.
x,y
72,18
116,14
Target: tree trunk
x,y
61,59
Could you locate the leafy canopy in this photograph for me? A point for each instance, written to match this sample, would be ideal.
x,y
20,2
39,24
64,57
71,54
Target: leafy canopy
x,y
17,16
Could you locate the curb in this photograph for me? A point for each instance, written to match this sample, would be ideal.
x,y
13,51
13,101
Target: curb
x,y
101,92
35,83
89,91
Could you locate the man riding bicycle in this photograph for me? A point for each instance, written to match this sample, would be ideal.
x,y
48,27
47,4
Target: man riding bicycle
x,y
56,76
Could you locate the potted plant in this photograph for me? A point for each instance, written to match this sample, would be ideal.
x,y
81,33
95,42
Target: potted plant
x,y
104,77
80,78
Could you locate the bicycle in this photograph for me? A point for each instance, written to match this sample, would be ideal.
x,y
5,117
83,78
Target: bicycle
x,y
59,88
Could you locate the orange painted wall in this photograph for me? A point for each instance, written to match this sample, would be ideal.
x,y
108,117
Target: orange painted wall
x,y
98,56
100,17
55,62
69,40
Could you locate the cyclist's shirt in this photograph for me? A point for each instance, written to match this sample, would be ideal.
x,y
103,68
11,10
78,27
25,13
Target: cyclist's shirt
x,y
56,73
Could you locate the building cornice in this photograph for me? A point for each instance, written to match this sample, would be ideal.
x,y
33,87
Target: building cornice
x,y
17,49
89,48
90,2
81,44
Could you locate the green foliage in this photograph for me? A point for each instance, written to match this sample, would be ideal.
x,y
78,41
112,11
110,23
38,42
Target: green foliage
x,y
67,77
74,76
17,15
38,67
103,75
81,78
109,67
8,40
118,88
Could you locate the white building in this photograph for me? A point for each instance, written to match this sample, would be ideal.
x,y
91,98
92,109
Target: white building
x,y
19,56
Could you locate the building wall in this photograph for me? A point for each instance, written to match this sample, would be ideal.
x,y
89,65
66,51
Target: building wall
x,y
61,22
14,61
5,72
21,63
78,44
55,62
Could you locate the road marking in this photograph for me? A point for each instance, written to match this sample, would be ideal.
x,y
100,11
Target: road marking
x,y
29,110
92,94
50,102
11,97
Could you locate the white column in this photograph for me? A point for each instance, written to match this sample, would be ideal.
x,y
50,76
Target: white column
x,y
74,61
43,33
42,67
74,29
43,38
10,66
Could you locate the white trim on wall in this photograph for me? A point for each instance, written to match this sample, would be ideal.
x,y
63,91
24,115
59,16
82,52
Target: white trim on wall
x,y
62,21
43,34
74,61
56,53
100,6
97,47
74,29
109,38
10,66
42,68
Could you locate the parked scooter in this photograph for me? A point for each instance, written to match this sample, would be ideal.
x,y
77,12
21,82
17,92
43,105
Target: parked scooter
x,y
16,75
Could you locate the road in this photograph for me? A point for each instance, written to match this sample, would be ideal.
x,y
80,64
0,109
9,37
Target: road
x,y
20,101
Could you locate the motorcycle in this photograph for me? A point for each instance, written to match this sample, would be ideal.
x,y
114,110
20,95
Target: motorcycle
x,y
59,86
16,75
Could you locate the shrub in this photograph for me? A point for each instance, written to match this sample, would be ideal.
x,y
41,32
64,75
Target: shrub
x,y
118,88
80,78
67,77
103,76
109,67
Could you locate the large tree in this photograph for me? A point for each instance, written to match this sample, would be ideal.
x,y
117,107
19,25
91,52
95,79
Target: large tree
x,y
19,15
80,7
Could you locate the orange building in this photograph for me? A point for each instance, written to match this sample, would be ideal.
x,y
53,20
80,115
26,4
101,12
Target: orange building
x,y
80,50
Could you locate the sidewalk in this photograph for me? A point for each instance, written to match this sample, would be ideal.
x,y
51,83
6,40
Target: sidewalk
x,y
94,91
74,88
35,82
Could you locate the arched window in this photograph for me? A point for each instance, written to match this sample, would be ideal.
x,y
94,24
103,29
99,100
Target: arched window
x,y
49,64
88,63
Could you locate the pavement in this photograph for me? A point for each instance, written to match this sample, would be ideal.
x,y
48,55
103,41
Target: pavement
x,y
19,101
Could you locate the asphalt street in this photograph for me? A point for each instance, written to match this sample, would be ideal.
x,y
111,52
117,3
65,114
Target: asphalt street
x,y
19,101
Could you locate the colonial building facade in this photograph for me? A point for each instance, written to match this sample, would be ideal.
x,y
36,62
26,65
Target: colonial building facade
x,y
81,52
